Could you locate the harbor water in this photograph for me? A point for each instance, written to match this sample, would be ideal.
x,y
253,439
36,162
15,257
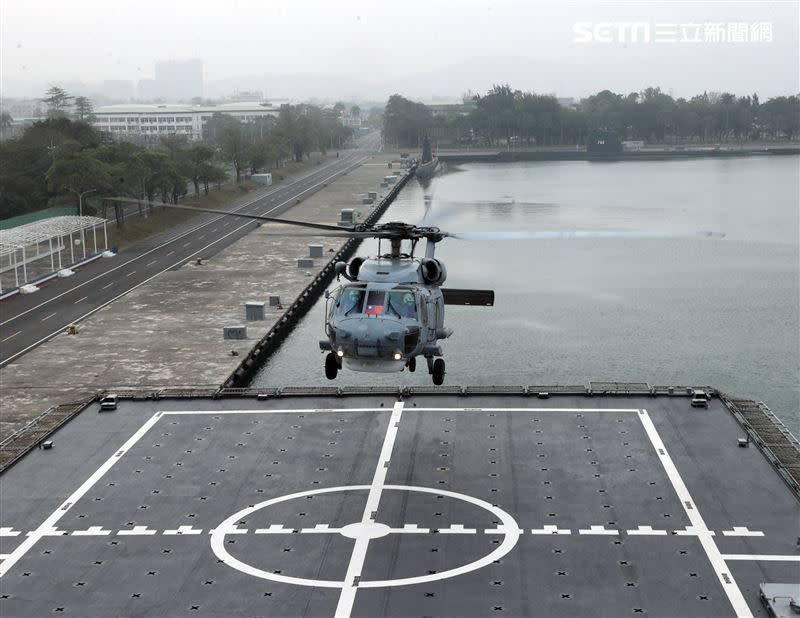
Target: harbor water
x,y
679,310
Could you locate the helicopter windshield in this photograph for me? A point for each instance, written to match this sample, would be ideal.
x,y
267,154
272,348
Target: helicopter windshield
x,y
402,303
350,301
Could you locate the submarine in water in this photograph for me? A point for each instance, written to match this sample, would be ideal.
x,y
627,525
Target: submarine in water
x,y
428,165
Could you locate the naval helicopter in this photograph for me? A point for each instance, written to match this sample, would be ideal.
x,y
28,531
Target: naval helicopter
x,y
390,311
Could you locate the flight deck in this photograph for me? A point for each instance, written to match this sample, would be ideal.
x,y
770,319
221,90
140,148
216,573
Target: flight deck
x,y
378,505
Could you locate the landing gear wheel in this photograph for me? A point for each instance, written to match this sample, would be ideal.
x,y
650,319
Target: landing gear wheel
x,y
331,366
412,364
438,372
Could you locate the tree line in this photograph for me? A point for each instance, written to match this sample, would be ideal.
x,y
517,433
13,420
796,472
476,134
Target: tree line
x,y
63,156
504,116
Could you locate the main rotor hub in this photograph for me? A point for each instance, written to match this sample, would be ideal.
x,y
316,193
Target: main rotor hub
x,y
397,230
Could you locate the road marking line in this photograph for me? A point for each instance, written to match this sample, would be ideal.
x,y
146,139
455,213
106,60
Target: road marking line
x,y
348,595
48,524
108,285
11,358
150,263
726,580
201,237
214,230
80,300
130,274
10,337
186,244
47,317
761,557
170,253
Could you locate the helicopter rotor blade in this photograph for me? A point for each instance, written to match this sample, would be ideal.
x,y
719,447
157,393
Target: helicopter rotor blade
x,y
308,224
577,234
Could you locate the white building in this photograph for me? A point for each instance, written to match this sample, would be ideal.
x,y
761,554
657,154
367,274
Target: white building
x,y
151,122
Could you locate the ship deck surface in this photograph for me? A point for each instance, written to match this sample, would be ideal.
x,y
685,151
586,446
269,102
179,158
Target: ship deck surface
x,y
365,506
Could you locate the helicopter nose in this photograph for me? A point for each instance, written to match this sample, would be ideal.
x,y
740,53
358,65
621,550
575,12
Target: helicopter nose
x,y
371,338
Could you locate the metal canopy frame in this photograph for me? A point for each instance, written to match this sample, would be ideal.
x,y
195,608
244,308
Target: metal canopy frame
x,y
26,240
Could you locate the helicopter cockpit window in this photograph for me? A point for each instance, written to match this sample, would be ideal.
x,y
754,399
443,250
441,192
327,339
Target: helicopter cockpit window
x,y
402,303
350,301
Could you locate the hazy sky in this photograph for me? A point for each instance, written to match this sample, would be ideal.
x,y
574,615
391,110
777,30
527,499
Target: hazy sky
x,y
369,49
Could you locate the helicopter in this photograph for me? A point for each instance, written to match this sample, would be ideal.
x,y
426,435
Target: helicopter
x,y
391,310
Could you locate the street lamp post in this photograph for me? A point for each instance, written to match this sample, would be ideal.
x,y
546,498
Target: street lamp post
x,y
80,214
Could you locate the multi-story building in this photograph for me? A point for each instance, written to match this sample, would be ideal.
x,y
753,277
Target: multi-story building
x,y
151,122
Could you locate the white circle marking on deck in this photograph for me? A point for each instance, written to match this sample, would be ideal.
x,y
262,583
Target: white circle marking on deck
x,y
510,532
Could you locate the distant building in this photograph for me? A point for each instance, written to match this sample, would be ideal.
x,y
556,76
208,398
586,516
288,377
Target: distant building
x,y
246,96
117,89
567,101
175,80
23,112
151,122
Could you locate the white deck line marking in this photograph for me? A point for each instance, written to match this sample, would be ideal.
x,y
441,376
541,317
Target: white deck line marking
x,y
183,530
526,410
48,524
726,580
551,530
646,531
742,531
321,410
761,557
599,530
410,529
218,544
359,555
457,529
6,531
273,529
92,531
3,556
230,530
255,411
137,531
693,531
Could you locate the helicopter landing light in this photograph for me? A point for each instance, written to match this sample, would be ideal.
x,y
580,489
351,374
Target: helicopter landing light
x,y
340,353
397,356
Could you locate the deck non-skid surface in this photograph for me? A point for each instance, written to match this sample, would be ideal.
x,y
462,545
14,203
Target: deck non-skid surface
x,y
364,506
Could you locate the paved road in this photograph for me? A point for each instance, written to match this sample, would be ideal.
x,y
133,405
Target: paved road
x,y
27,321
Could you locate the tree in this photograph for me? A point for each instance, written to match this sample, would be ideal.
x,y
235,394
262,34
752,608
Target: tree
x,y
339,108
211,174
226,131
57,101
84,109
77,171
355,111
196,158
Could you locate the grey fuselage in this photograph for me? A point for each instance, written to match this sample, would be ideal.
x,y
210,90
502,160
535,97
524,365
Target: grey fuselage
x,y
405,321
